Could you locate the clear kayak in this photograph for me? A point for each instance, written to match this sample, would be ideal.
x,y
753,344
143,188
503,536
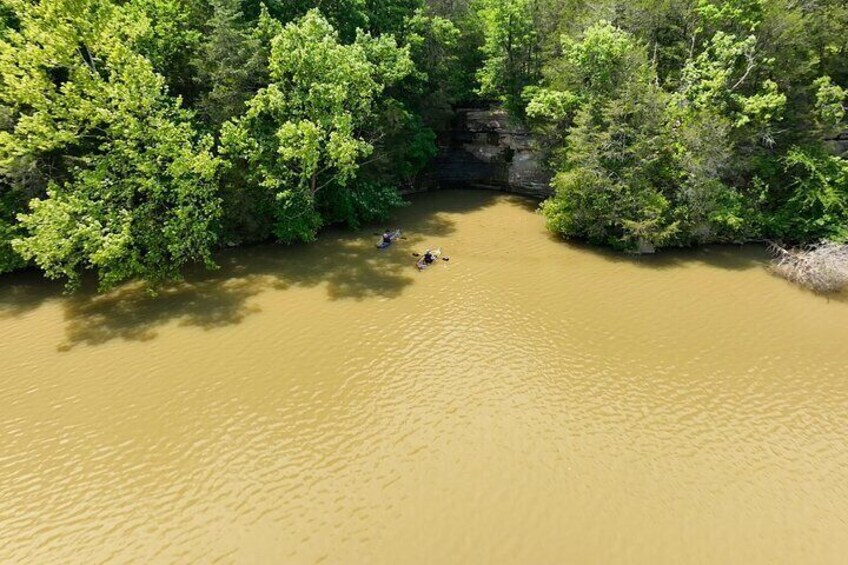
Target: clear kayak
x,y
392,237
435,253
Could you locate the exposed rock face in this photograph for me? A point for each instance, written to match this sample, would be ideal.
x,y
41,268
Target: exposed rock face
x,y
839,144
486,149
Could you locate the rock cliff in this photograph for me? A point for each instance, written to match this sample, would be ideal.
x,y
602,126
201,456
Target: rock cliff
x,y
839,144
485,148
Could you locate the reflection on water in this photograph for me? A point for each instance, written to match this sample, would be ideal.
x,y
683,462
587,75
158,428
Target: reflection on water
x,y
530,401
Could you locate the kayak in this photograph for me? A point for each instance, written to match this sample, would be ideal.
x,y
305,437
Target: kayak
x,y
436,253
392,237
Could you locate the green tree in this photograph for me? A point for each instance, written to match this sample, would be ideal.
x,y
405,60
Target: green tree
x,y
122,185
232,63
345,16
720,79
831,104
303,134
390,16
166,36
10,204
817,206
511,50
734,16
589,72
614,188
439,79
637,169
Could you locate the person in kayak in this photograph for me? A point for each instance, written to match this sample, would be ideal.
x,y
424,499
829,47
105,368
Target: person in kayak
x,y
428,258
387,237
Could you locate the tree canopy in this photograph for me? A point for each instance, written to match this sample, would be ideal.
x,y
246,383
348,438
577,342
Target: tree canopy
x,y
136,136
306,130
682,121
117,178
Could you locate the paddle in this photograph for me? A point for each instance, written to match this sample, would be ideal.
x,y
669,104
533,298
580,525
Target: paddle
x,y
380,235
414,254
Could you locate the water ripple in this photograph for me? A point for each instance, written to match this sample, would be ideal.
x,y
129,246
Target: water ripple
x,y
528,401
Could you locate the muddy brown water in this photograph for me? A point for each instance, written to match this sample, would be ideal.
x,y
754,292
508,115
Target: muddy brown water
x,y
529,401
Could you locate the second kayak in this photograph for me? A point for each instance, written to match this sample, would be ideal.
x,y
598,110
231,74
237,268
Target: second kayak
x,y
392,236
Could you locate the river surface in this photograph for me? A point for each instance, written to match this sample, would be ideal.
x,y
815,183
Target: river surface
x,y
527,402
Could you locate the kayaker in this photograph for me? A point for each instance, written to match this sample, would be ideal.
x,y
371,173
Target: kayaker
x,y
428,257
387,237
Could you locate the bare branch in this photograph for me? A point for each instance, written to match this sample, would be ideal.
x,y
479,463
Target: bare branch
x,y
751,64
822,267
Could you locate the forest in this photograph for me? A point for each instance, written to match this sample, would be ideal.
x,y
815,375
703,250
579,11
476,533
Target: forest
x,y
137,136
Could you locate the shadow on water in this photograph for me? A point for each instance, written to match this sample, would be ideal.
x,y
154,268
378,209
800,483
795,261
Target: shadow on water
x,y
425,216
23,291
349,267
733,257
346,263
730,257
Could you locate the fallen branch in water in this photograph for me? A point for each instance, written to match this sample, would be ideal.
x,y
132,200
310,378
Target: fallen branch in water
x,y
822,267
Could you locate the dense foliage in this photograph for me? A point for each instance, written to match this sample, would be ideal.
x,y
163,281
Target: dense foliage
x,y
138,135
119,179
679,121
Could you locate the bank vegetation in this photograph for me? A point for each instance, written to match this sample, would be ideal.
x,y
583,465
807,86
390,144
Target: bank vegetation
x,y
138,135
